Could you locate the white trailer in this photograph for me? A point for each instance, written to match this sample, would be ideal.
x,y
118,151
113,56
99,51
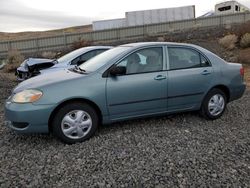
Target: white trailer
x,y
143,17
109,24
230,7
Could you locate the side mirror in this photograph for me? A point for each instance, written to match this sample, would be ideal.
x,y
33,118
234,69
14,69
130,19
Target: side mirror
x,y
117,70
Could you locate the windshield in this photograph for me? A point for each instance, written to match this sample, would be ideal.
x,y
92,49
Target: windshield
x,y
100,60
70,56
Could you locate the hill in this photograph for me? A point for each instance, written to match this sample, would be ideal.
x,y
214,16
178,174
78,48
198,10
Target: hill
x,y
34,34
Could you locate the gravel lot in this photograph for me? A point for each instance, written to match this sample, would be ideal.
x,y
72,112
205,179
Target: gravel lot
x,y
183,150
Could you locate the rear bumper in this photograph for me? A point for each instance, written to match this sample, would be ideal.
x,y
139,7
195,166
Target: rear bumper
x,y
237,92
28,118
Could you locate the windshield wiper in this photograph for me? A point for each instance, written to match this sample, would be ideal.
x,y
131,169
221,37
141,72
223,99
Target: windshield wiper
x,y
79,70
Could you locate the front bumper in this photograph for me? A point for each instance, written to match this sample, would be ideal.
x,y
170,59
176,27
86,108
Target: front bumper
x,y
22,74
28,118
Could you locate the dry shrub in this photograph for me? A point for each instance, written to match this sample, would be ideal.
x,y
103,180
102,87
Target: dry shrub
x,y
228,41
244,56
49,55
243,29
2,64
245,40
160,39
247,75
14,59
80,43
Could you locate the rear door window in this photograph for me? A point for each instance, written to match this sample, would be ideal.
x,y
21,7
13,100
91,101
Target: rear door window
x,y
185,58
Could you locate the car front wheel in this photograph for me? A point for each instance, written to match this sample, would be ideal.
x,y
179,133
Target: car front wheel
x,y
214,104
75,122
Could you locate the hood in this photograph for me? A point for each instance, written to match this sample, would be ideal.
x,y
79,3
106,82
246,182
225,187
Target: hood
x,y
60,65
34,61
56,67
47,79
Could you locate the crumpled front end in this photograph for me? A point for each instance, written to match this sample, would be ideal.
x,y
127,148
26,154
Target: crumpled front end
x,y
22,72
31,67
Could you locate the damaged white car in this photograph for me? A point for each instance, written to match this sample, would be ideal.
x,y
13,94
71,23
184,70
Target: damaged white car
x,y
35,66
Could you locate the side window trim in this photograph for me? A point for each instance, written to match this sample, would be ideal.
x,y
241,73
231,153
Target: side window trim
x,y
207,60
165,58
185,47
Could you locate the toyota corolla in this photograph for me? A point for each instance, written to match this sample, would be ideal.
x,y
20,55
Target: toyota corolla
x,y
129,81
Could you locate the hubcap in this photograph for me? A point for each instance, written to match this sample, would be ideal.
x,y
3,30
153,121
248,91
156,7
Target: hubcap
x,y
216,105
76,124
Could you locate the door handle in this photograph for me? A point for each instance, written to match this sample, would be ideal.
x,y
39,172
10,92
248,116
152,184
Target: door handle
x,y
160,77
205,72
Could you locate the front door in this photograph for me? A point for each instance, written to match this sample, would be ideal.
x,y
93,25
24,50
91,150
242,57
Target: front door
x,y
143,89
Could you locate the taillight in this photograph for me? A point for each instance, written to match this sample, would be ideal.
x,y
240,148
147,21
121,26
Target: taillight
x,y
242,71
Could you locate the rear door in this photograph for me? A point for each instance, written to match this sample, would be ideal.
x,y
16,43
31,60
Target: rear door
x,y
189,76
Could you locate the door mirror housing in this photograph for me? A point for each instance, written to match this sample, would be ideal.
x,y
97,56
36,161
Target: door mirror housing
x,y
117,70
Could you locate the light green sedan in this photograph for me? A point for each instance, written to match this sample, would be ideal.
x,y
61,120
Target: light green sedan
x,y
129,81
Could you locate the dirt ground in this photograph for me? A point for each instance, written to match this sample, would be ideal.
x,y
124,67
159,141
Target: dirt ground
x,y
183,150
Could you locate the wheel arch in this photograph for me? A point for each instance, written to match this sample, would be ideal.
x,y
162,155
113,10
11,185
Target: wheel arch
x,y
81,100
223,88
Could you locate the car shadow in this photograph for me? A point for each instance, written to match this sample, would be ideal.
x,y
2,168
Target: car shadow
x,y
148,121
174,120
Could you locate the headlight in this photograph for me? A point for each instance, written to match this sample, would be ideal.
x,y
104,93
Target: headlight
x,y
27,96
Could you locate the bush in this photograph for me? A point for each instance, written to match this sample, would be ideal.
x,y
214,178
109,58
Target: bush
x,y
244,56
14,59
49,55
80,43
161,39
228,41
243,29
245,40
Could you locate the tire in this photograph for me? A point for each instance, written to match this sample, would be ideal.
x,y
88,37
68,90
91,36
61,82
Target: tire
x,y
214,104
75,122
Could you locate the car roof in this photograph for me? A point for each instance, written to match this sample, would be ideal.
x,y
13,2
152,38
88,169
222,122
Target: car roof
x,y
89,48
145,44
142,44
95,47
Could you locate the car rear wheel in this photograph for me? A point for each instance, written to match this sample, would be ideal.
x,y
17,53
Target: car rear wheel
x,y
214,104
75,122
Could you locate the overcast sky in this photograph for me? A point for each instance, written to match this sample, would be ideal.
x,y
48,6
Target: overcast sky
x,y
38,15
